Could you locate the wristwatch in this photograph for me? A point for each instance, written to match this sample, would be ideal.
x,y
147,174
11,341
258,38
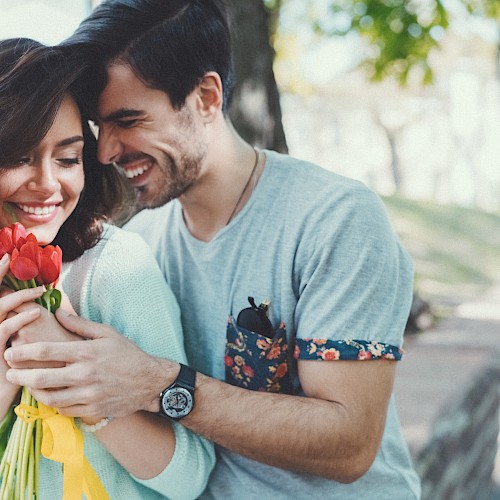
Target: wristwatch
x,y
177,400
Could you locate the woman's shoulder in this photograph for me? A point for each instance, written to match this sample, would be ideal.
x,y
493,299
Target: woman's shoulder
x,y
118,236
119,249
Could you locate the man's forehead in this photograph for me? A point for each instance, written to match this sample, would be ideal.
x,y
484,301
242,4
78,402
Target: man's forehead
x,y
121,92
128,94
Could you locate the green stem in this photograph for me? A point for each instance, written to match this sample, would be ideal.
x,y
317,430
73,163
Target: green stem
x,y
11,282
38,452
26,447
12,460
31,472
19,461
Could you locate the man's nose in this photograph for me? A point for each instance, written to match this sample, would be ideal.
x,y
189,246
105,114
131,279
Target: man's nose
x,y
108,146
45,180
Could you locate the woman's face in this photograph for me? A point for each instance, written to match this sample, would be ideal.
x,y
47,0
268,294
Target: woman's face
x,y
44,187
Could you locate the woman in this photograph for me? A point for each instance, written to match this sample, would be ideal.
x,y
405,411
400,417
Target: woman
x,y
50,183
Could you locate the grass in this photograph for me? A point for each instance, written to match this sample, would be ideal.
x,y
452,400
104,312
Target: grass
x,y
456,250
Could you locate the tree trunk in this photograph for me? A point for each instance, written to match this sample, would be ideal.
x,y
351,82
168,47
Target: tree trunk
x,y
255,110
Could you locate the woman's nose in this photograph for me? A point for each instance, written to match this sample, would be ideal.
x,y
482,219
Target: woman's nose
x,y
45,179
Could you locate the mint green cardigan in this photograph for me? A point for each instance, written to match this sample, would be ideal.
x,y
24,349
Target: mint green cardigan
x,y
118,282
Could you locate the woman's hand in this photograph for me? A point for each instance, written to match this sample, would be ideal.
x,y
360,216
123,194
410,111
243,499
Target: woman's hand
x,y
10,323
22,321
45,328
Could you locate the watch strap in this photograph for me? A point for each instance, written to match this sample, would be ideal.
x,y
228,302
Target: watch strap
x,y
186,378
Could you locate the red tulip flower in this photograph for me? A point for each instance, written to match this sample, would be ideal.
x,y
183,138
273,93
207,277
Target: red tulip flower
x,y
50,265
25,258
10,237
31,264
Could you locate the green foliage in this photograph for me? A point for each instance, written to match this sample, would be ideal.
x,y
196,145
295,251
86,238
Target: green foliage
x,y
401,33
487,8
5,428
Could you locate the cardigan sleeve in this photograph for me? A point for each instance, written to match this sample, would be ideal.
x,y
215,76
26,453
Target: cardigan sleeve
x,y
129,292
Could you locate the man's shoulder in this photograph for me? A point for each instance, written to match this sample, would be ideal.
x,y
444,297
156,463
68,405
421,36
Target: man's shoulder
x,y
312,189
303,175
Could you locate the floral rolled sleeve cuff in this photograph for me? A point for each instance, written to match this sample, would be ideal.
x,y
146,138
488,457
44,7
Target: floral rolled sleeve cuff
x,y
338,350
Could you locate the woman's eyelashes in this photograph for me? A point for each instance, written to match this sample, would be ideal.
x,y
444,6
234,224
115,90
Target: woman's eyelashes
x,y
69,162
65,161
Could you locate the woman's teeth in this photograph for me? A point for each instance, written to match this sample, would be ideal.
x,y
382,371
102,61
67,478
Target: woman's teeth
x,y
38,210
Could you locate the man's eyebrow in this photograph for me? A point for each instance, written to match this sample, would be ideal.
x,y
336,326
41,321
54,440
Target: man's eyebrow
x,y
70,140
122,113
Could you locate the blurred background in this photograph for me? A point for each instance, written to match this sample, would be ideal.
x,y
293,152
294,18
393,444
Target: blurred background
x,y
403,95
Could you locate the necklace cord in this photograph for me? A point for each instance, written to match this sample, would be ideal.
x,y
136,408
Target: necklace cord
x,y
257,158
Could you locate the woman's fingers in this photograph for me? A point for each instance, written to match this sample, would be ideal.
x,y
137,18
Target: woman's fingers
x,y
14,300
4,266
11,325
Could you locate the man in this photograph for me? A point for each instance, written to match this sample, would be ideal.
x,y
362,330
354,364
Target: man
x,y
231,225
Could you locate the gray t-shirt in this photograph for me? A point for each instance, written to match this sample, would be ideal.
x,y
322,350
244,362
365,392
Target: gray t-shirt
x,y
319,246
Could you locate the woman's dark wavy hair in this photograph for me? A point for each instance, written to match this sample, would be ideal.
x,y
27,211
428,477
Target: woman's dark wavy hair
x,y
34,80
169,44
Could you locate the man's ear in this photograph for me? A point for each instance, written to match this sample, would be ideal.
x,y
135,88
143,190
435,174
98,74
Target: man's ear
x,y
209,96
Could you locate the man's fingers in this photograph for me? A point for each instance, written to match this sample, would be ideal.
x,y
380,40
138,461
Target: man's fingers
x,y
45,351
41,378
83,327
63,400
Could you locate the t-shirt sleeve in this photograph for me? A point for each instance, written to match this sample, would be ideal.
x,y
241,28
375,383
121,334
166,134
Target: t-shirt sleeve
x,y
129,292
355,283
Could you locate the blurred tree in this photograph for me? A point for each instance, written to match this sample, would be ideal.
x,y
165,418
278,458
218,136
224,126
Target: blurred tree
x,y
256,111
400,35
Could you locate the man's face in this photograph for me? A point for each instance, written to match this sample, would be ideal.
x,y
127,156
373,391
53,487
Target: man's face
x,y
159,148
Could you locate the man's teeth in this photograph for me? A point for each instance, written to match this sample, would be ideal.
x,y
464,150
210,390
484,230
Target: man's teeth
x,y
45,210
134,172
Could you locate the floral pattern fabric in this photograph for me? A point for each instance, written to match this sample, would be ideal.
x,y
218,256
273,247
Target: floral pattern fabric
x,y
333,350
256,362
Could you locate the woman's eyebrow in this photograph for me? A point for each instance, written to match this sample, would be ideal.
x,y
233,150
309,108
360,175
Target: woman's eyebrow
x,y
70,140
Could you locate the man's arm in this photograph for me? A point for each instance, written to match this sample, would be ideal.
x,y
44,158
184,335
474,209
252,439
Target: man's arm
x,y
335,432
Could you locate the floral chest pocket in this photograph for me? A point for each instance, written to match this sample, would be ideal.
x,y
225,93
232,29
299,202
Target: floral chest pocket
x,y
256,356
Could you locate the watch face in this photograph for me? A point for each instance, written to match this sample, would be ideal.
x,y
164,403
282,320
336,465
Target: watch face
x,y
177,402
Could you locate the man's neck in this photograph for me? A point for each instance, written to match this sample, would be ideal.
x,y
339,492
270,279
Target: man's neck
x,y
222,189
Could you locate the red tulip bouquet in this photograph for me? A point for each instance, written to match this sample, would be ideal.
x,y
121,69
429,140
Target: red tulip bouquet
x,y
31,265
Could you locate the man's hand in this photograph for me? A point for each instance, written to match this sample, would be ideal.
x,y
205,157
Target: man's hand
x,y
107,375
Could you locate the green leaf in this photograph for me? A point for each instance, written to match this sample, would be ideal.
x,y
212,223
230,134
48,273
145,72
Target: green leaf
x,y
51,299
7,207
5,428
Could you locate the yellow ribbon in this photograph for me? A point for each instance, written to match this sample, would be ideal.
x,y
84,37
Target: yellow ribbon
x,y
62,442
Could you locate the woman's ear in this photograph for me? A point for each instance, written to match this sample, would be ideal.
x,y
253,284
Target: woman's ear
x,y
209,96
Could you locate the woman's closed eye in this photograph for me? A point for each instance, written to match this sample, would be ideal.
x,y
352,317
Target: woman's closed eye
x,y
70,161
25,160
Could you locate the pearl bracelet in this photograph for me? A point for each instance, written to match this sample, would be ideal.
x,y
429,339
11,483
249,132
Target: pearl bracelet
x,y
95,427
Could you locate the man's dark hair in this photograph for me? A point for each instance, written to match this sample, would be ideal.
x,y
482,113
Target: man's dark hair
x,y
169,44
34,79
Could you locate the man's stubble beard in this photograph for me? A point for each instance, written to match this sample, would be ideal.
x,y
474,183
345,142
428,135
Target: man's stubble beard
x,y
172,182
174,178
